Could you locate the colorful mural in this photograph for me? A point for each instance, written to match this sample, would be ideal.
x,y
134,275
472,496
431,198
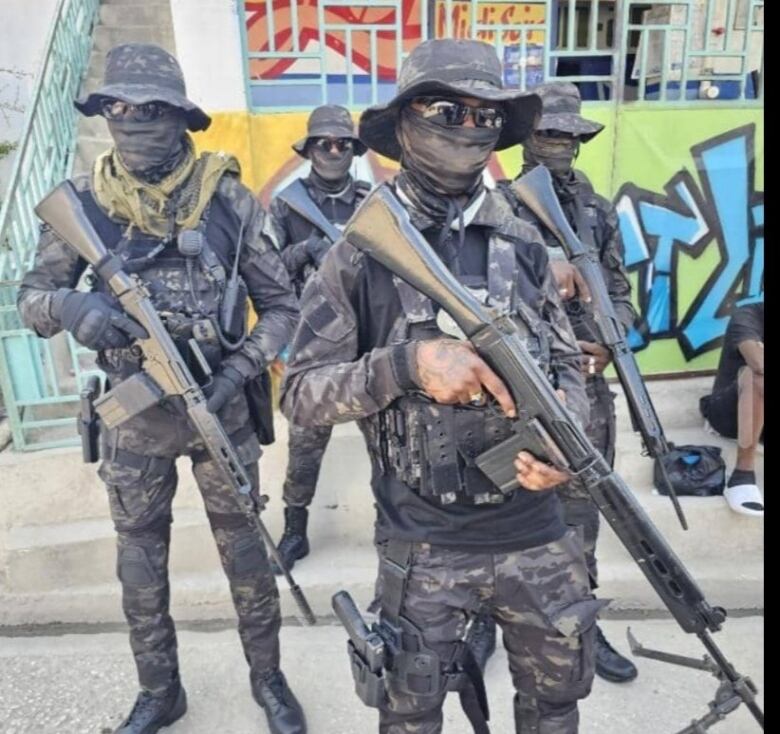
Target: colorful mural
x,y
690,207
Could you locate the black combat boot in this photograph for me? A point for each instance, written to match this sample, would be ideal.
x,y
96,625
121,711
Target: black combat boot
x,y
610,664
152,713
294,544
482,639
284,713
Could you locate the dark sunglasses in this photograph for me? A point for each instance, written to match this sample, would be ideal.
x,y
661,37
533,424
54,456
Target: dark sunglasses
x,y
449,113
326,144
115,109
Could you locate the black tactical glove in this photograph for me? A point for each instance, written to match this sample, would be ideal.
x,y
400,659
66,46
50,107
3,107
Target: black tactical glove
x,y
317,247
95,320
224,386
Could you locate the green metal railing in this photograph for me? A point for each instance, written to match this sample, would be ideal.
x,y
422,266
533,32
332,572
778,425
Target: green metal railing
x,y
40,380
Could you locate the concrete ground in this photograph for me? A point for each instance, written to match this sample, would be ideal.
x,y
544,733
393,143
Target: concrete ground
x,y
85,683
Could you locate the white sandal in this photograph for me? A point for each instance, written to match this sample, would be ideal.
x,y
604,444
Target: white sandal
x,y
745,499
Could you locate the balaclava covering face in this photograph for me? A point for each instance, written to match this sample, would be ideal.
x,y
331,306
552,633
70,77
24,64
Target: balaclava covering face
x,y
150,150
447,161
557,154
330,170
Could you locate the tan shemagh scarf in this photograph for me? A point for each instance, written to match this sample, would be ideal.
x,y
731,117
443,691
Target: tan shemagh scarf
x,y
147,206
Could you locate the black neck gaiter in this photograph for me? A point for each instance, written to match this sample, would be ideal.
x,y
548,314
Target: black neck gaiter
x,y
150,150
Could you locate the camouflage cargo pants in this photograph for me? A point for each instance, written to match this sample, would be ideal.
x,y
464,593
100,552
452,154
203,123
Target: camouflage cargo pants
x,y
306,449
578,507
139,471
541,599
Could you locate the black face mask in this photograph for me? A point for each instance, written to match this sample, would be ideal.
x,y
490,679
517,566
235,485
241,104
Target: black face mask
x,y
150,149
331,169
557,154
446,160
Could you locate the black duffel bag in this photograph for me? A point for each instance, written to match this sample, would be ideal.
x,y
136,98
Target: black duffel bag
x,y
694,471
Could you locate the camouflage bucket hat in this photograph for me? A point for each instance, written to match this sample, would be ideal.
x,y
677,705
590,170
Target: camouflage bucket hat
x,y
561,104
329,121
137,73
456,67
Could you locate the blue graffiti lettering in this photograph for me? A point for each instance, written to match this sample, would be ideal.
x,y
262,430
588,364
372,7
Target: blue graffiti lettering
x,y
726,213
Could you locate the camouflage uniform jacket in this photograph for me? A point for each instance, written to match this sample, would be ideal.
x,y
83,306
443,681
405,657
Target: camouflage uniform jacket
x,y
289,230
351,360
601,218
232,208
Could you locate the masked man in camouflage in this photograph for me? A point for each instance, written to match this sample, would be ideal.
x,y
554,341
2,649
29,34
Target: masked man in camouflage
x,y
179,221
330,145
372,349
555,144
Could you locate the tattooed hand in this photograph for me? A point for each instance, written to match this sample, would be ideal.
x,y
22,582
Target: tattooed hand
x,y
450,371
569,281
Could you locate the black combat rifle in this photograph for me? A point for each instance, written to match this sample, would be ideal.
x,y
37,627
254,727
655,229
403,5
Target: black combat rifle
x,y
535,190
381,228
165,373
298,199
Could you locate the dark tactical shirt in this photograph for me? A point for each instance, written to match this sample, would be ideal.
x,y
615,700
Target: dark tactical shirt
x,y
289,230
746,324
346,365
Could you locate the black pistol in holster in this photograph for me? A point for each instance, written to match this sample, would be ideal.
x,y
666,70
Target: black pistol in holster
x,y
366,649
396,645
88,421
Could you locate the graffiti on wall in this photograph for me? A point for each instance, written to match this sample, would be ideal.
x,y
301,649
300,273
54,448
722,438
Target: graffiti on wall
x,y
724,211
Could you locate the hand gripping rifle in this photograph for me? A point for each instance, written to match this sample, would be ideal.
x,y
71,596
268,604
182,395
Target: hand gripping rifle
x,y
535,190
381,228
165,373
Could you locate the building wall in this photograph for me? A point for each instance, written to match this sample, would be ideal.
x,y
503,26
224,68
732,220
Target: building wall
x,y
23,31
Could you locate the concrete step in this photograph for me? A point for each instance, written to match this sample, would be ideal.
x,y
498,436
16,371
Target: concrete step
x,y
106,37
57,543
676,401
87,150
115,15
201,595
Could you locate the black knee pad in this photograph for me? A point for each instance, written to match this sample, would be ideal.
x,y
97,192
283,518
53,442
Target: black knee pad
x,y
248,556
134,566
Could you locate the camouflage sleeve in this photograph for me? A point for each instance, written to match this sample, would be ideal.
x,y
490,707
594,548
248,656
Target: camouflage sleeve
x,y
268,284
329,379
564,352
618,284
56,266
293,254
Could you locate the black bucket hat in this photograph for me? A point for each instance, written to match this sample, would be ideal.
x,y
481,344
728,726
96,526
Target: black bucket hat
x,y
561,104
138,73
457,67
329,121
